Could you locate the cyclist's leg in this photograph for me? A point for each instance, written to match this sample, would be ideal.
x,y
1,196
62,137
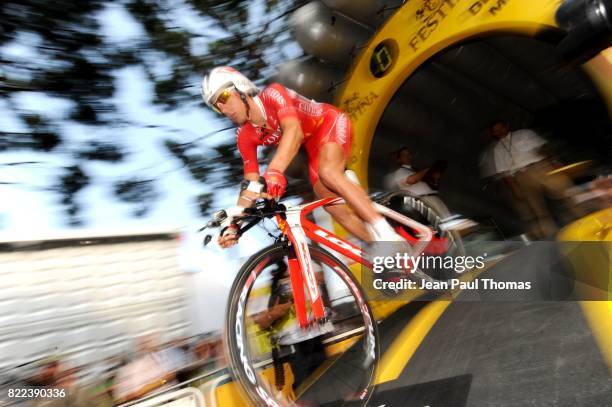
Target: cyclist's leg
x,y
331,175
341,213
328,151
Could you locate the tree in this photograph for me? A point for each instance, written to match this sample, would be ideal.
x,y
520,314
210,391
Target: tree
x,y
74,60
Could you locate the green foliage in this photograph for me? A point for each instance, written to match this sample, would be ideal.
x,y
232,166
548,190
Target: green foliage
x,y
204,202
72,181
101,151
137,191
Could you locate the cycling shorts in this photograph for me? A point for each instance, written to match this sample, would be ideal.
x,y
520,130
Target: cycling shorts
x,y
336,128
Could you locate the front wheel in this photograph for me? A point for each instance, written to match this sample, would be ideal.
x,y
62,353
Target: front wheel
x,y
279,364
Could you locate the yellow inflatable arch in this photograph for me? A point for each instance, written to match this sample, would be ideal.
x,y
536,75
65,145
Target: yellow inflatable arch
x,y
421,29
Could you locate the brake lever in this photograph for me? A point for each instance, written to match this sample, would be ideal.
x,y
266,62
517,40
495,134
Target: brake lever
x,y
211,224
207,240
218,217
250,211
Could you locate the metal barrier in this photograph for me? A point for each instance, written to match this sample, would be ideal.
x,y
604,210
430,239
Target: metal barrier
x,y
173,390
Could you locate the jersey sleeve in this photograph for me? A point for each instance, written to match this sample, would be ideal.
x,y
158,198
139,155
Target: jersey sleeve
x,y
279,99
248,149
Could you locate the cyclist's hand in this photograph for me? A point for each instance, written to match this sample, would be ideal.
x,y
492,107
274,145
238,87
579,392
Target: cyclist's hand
x,y
276,183
229,237
229,230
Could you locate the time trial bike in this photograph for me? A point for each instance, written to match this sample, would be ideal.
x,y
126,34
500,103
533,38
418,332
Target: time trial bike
x,y
325,307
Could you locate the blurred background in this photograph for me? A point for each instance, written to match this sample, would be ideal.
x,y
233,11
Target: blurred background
x,y
101,106
110,162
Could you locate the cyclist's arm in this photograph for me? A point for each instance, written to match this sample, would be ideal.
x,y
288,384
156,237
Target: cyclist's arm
x,y
247,197
289,145
248,152
280,101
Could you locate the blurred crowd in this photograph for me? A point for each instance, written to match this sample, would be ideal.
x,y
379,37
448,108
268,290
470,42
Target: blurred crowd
x,y
533,178
546,186
152,366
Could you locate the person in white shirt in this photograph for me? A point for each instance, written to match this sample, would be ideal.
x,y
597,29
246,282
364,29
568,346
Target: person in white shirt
x,y
147,372
517,159
406,178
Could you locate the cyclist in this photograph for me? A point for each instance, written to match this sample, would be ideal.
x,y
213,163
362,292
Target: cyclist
x,y
279,116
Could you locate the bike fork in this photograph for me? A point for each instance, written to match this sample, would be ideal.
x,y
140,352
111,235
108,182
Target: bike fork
x,y
296,274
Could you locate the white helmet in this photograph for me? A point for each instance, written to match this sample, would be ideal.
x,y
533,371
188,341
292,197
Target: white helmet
x,y
221,78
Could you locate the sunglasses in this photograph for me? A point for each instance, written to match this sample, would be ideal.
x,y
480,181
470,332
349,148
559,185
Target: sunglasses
x,y
222,98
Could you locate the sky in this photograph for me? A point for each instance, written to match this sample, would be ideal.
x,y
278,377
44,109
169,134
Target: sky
x,y
27,210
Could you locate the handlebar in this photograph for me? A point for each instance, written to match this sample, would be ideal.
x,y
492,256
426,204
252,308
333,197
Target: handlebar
x,y
263,209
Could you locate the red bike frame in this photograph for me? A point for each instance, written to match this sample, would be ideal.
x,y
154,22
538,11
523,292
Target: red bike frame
x,y
299,229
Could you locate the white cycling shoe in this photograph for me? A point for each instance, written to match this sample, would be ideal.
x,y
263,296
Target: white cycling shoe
x,y
386,242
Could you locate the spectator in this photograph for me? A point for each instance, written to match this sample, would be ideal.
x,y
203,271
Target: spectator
x,y
174,357
147,372
47,374
433,176
56,373
519,160
406,178
209,350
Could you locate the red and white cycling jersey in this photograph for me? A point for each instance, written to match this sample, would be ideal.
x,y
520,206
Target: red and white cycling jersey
x,y
320,122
